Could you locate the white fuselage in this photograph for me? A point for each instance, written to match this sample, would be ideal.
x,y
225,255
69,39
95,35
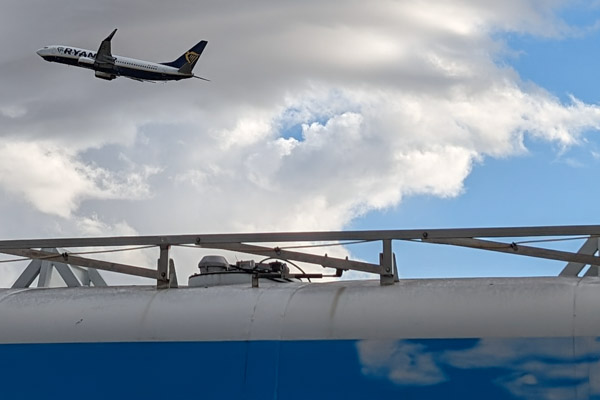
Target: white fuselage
x,y
123,66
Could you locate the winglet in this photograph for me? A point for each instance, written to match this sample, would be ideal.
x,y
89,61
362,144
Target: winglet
x,y
109,38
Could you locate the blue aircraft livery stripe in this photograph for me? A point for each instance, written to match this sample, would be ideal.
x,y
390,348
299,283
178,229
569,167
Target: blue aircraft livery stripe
x,y
490,368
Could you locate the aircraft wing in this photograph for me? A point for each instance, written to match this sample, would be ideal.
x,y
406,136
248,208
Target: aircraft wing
x,y
138,79
104,58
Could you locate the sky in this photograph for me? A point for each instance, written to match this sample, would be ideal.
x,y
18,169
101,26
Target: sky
x,y
319,115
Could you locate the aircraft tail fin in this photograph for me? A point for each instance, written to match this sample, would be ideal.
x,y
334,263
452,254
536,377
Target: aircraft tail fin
x,y
188,60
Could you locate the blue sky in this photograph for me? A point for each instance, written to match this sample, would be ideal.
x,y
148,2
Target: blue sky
x,y
536,189
547,185
564,66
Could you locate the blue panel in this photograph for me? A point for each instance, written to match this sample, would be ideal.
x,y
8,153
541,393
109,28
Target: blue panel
x,y
123,370
517,368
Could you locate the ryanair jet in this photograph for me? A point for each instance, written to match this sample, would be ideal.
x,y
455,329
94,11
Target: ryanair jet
x,y
108,66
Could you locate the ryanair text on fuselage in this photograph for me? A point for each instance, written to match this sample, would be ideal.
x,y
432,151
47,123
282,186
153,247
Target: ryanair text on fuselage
x,y
76,52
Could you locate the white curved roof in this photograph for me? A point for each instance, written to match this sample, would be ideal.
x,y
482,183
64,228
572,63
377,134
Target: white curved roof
x,y
432,308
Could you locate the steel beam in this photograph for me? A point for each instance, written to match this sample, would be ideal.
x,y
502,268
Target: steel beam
x,y
325,261
65,272
96,278
593,269
274,237
83,262
520,250
45,274
82,274
28,275
574,268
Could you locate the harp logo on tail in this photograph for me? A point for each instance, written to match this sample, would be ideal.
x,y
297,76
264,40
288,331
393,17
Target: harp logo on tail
x,y
191,57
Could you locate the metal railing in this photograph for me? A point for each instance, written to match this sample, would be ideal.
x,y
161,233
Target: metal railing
x,y
249,243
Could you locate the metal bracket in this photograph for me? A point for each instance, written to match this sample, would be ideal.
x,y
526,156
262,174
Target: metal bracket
x,y
162,280
387,263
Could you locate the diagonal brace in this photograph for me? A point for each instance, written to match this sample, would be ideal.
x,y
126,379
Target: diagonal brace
x,y
83,262
513,248
574,268
330,262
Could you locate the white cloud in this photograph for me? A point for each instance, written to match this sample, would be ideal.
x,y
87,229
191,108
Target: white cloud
x,y
529,368
146,258
381,101
55,182
403,363
494,352
537,366
93,226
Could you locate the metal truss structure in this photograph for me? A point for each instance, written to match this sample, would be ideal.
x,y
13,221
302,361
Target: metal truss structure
x,y
254,243
72,275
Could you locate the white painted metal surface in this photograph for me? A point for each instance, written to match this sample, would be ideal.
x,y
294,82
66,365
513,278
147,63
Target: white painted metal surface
x,y
432,308
220,279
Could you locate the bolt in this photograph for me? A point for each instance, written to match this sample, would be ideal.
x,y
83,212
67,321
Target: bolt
x,y
425,234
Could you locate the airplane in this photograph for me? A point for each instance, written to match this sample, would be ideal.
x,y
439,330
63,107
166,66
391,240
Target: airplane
x,y
108,66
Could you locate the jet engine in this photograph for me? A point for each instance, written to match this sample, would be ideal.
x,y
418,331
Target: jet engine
x,y
105,75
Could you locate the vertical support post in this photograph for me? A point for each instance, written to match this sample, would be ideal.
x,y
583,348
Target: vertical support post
x,y
596,272
396,277
162,280
172,274
386,260
593,269
45,274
